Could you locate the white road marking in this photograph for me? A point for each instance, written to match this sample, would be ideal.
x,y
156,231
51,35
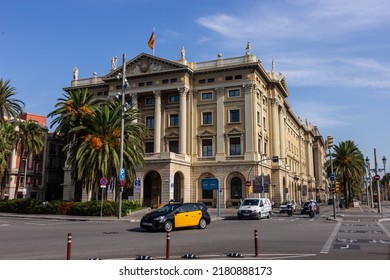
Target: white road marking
x,y
329,242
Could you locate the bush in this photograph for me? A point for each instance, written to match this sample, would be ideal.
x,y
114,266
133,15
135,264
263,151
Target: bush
x,y
90,208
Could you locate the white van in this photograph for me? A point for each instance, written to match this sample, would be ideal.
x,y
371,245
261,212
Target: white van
x,y
255,208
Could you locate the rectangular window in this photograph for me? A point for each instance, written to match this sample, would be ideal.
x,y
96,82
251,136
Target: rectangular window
x,y
36,167
174,80
234,92
141,84
165,81
207,194
235,146
234,116
174,146
207,95
150,122
207,118
150,101
203,81
149,83
210,80
229,78
207,148
174,120
174,98
149,147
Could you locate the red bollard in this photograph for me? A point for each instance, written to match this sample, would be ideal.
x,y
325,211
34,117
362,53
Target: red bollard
x,y
168,251
69,249
256,243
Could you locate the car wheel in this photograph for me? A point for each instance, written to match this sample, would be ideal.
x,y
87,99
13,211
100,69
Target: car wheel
x,y
269,215
168,226
259,215
202,223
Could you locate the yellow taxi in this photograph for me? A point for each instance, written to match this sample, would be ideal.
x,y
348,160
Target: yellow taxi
x,y
177,215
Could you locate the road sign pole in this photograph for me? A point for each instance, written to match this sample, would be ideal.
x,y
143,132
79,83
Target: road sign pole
x,y
332,185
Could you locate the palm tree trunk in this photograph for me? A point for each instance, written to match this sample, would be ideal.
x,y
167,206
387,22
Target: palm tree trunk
x,y
19,174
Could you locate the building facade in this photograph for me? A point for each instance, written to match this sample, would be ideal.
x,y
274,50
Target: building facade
x,y
31,183
227,119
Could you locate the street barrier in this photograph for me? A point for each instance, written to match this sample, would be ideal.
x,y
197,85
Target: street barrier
x,y
69,247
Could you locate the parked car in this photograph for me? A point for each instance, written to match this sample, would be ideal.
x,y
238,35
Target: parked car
x,y
305,208
255,208
283,206
177,215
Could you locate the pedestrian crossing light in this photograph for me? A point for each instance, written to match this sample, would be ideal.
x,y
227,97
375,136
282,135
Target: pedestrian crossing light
x,y
337,187
330,141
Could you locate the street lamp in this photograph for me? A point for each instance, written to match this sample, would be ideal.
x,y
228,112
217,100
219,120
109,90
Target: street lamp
x,y
384,174
377,177
370,181
122,171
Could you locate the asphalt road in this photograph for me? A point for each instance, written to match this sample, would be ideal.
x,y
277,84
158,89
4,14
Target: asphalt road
x,y
357,235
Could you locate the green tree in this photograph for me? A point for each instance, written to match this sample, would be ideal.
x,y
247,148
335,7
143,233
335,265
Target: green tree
x,y
98,152
7,141
10,108
30,136
70,111
349,165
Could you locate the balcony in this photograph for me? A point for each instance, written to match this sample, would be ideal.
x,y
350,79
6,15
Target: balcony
x,y
167,156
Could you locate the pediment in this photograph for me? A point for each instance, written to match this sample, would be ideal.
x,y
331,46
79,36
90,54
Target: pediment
x,y
172,134
234,130
146,64
206,133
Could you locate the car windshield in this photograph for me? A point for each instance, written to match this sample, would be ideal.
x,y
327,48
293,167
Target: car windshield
x,y
251,202
167,208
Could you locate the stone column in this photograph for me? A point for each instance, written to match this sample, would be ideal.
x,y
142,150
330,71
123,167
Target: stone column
x,y
134,103
282,120
157,122
275,128
250,121
183,121
220,154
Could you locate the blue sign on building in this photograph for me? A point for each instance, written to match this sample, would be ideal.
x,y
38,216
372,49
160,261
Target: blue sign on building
x,y
210,184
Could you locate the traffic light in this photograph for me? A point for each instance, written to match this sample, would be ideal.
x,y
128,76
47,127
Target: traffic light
x,y
337,186
330,141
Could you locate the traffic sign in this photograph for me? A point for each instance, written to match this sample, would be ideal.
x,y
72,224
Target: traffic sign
x,y
331,177
103,181
248,183
377,177
122,174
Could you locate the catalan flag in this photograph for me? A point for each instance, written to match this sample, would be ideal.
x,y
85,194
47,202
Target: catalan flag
x,y
151,41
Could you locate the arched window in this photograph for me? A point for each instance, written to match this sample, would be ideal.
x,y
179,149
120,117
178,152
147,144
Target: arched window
x,y
235,188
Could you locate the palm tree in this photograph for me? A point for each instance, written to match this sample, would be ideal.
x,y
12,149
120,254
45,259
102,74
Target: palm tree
x,y
7,140
98,154
70,111
349,164
9,107
30,136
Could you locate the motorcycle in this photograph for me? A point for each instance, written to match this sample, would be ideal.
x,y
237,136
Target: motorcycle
x,y
312,211
289,210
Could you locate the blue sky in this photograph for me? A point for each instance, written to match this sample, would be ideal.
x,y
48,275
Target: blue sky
x,y
334,54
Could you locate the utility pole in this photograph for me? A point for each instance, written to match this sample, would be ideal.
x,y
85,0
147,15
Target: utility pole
x,y
377,183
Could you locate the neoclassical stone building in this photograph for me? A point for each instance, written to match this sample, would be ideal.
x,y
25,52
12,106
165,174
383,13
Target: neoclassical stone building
x,y
226,119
